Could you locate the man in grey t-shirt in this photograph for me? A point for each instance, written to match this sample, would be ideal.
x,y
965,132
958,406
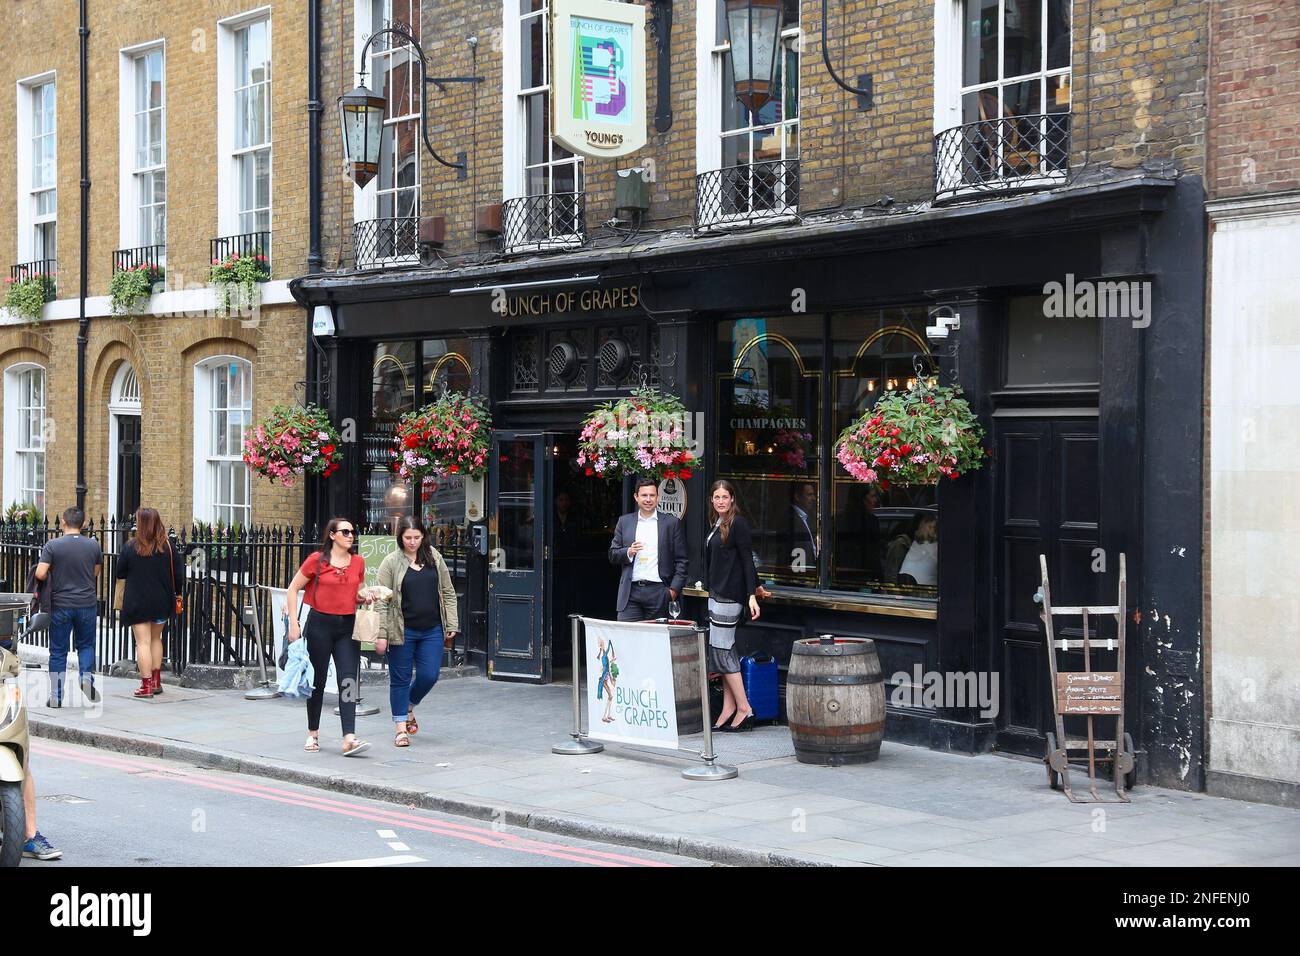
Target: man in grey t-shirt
x,y
71,565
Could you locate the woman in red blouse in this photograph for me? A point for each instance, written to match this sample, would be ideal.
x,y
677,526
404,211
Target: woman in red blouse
x,y
332,577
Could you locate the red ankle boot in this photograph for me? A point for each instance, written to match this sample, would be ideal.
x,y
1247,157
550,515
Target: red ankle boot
x,y
145,689
157,681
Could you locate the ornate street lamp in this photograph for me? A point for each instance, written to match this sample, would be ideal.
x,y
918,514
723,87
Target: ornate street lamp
x,y
754,29
361,113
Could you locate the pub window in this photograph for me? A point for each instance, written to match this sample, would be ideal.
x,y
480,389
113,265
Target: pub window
x,y
885,540
1045,349
769,439
401,372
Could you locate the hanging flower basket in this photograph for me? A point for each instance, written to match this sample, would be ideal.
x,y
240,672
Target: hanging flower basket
x,y
645,434
129,288
914,437
26,297
293,441
235,279
446,437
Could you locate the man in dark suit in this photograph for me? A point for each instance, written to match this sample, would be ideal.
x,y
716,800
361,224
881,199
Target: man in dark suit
x,y
802,552
651,549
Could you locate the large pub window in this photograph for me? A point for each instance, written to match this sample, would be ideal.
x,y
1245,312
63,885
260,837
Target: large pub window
x,y
403,373
778,415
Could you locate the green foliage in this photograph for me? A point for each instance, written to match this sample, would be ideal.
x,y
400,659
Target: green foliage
x,y
27,296
129,286
25,513
235,279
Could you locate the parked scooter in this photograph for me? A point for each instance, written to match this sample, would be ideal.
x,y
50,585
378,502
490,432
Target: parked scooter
x,y
13,746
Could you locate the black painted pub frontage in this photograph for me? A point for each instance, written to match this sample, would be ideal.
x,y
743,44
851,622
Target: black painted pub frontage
x,y
775,340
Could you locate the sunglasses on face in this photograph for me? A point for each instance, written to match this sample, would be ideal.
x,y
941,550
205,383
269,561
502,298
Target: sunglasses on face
x,y
347,531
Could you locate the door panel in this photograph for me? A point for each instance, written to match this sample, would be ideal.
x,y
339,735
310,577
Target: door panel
x,y
1048,502
517,571
128,465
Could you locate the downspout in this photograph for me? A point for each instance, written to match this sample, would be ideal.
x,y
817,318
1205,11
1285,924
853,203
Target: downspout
x,y
312,490
83,324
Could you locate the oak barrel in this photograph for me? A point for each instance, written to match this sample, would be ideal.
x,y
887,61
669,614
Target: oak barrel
x,y
686,678
835,701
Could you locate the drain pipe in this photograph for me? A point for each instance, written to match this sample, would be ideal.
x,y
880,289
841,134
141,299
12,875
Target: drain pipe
x,y
314,109
83,324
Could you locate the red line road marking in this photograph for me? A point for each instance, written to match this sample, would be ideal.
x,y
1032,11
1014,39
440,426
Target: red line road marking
x,y
480,835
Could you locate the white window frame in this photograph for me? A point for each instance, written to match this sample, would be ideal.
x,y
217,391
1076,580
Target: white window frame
x,y
128,227
205,462
15,489
119,405
514,132
365,200
228,198
26,218
710,50
949,88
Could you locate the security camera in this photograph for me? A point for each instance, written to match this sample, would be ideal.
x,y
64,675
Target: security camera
x,y
942,325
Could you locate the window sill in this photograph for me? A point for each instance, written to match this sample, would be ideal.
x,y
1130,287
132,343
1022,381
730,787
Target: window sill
x,y
556,244
778,217
927,611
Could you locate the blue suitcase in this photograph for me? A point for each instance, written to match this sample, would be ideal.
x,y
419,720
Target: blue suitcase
x,y
760,676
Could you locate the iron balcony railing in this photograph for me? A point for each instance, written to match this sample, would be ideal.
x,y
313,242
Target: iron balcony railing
x,y
738,196
1002,155
246,244
153,257
42,269
538,223
377,243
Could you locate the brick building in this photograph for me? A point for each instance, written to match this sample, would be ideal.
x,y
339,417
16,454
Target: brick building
x,y
197,141
1252,610
782,268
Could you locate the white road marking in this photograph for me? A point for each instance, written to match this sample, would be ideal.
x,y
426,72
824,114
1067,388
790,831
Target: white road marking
x,y
377,861
387,834
399,848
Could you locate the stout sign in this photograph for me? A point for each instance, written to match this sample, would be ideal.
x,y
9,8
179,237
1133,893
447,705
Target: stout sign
x,y
598,77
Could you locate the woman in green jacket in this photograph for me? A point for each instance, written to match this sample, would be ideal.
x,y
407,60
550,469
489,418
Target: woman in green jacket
x,y
419,618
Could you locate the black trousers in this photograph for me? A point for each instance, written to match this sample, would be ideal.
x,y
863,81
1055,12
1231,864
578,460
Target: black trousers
x,y
645,602
331,635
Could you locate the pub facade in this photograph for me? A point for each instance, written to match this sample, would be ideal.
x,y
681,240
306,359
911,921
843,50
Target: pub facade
x,y
778,276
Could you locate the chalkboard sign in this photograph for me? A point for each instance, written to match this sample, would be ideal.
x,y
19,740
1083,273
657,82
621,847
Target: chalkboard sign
x,y
374,548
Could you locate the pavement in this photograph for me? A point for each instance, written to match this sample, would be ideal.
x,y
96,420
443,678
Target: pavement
x,y
483,751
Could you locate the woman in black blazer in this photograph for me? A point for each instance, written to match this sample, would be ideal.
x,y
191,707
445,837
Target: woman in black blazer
x,y
732,583
155,576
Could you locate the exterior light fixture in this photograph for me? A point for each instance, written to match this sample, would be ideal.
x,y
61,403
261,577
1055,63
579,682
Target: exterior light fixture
x,y
361,113
754,30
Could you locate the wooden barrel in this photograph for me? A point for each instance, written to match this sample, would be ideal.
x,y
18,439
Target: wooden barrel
x,y
835,701
686,680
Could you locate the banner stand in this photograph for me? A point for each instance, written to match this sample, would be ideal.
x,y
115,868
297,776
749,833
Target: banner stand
x,y
710,770
583,744
263,690
577,745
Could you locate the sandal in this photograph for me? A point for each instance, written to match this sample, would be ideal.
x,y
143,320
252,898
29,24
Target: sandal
x,y
412,727
358,746
313,744
403,739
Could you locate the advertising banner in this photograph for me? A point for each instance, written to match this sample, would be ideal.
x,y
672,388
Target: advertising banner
x,y
630,683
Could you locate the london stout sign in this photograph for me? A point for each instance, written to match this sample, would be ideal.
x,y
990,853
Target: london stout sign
x,y
598,77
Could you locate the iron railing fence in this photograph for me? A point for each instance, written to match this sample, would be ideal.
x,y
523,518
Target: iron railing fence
x,y
736,196
155,257
1002,155
549,221
43,269
245,244
377,243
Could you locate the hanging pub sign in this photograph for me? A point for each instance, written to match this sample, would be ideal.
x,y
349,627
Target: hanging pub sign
x,y
598,77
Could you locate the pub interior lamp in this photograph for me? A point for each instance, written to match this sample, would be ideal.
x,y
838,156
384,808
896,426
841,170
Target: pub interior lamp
x,y
754,30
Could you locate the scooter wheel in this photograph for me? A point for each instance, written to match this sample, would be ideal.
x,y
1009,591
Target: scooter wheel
x,y
13,823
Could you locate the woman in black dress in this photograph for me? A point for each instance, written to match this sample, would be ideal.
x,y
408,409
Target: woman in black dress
x,y
732,584
155,576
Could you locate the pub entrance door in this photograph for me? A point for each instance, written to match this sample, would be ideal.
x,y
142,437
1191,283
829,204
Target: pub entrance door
x,y
518,567
1048,502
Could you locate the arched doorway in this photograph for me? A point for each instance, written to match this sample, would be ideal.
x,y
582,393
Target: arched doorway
x,y
124,443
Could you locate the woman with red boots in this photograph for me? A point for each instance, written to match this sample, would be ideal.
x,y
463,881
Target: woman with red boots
x,y
155,577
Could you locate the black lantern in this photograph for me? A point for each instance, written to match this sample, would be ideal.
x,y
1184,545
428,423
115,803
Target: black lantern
x,y
754,29
361,113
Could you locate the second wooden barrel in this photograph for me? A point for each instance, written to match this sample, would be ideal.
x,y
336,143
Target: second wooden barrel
x,y
835,701
686,680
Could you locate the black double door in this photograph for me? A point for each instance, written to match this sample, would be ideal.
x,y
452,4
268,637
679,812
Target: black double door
x,y
1048,502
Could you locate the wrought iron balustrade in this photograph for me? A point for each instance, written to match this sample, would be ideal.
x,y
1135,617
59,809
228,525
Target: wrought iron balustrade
x,y
245,244
549,221
377,243
744,195
1002,155
154,257
44,270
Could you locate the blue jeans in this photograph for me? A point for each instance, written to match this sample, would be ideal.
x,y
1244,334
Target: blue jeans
x,y
78,623
424,649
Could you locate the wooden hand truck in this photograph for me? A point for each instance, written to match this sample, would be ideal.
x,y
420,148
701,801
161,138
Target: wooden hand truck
x,y
1090,693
